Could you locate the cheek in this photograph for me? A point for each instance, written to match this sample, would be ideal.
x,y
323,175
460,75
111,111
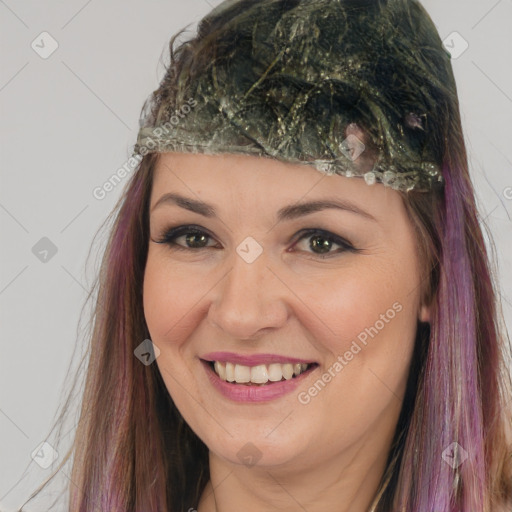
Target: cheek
x,y
363,303
169,296
364,313
366,322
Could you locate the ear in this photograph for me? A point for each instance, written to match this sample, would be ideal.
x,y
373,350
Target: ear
x,y
424,314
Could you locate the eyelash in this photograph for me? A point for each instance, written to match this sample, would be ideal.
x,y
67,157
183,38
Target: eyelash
x,y
172,234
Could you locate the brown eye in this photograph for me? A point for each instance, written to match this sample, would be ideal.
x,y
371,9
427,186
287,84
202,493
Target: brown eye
x,y
321,242
194,238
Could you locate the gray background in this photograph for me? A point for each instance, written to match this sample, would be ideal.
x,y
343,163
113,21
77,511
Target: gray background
x,y
68,122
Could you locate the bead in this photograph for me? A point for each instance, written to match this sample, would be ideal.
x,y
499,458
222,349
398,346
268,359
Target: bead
x,y
388,176
370,177
323,166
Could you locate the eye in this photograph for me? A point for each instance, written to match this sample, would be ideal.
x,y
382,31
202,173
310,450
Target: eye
x,y
195,238
321,242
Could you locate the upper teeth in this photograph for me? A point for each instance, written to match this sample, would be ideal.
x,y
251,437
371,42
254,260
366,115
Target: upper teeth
x,y
259,374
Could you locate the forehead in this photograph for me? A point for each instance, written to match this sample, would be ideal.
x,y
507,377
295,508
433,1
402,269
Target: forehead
x,y
260,191
232,176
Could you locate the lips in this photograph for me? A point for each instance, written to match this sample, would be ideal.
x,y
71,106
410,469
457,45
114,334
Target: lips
x,y
252,393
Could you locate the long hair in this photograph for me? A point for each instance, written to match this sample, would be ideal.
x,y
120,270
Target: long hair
x,y
134,452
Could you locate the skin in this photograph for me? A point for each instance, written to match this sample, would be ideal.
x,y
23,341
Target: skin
x,y
326,455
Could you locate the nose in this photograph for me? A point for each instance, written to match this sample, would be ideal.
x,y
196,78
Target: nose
x,y
249,300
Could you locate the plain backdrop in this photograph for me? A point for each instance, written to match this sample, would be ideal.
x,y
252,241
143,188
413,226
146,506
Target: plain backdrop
x,y
73,78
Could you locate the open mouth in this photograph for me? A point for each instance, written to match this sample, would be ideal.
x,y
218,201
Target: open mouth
x,y
260,375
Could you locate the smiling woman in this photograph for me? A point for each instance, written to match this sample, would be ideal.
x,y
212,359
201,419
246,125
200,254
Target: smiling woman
x,y
324,275
296,307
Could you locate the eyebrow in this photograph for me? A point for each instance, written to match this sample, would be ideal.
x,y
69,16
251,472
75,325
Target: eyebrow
x,y
290,212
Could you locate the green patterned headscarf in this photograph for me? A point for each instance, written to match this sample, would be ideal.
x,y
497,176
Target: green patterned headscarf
x,y
355,88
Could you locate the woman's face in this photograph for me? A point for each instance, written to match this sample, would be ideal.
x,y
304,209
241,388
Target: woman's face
x,y
266,283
